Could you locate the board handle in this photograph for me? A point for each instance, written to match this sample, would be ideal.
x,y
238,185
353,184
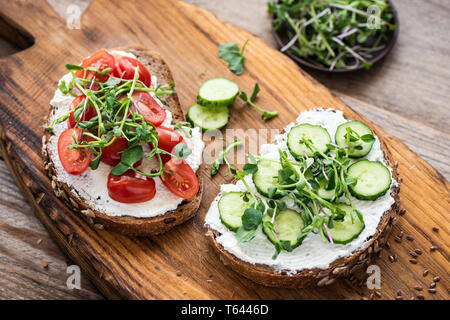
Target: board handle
x,y
24,22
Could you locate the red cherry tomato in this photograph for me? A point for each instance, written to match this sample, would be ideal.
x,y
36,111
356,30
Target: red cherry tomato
x,y
168,139
124,69
131,188
182,182
87,114
112,154
100,60
148,108
74,161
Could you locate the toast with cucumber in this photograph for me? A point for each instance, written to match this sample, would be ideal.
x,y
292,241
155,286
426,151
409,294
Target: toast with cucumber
x,y
315,205
117,147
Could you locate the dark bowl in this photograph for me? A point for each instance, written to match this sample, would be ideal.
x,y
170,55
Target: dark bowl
x,y
281,39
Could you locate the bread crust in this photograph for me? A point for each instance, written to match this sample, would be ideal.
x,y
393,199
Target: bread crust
x,y
341,267
131,226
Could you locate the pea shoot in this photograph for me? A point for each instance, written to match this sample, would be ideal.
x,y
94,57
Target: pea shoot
x,y
266,115
222,158
298,182
116,117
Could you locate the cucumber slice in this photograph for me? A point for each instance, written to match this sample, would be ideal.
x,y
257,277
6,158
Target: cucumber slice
x,y
317,134
373,179
266,177
327,194
208,118
345,231
231,208
217,92
361,129
289,224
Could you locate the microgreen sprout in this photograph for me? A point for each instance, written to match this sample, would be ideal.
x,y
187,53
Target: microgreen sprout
x,y
337,34
115,118
354,141
300,181
185,127
252,217
230,53
222,158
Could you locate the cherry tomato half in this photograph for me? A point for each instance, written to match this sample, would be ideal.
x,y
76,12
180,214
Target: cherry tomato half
x,y
86,115
182,182
112,154
131,187
124,69
74,161
148,108
100,60
168,139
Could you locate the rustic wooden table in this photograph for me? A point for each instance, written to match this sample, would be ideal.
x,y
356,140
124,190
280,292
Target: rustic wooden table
x,y
407,95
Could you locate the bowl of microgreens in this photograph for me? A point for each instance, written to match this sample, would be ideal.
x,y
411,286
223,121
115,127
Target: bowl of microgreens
x,y
335,35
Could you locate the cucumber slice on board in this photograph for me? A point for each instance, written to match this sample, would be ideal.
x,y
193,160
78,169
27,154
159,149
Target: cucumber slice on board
x,y
208,118
289,224
317,134
217,92
345,231
231,208
373,179
361,129
266,177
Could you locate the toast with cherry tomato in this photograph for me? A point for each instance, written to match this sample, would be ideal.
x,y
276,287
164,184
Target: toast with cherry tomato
x,y
117,147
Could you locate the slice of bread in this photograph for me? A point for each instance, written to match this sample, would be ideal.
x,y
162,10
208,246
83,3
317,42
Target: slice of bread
x,y
344,266
124,224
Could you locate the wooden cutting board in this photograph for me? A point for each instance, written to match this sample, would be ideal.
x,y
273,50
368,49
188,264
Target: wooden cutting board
x,y
181,264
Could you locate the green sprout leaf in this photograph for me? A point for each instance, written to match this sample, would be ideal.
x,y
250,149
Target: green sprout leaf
x,y
272,192
267,115
244,235
120,169
255,92
95,162
73,67
250,168
368,138
230,53
222,157
181,151
132,155
251,218
63,88
286,245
